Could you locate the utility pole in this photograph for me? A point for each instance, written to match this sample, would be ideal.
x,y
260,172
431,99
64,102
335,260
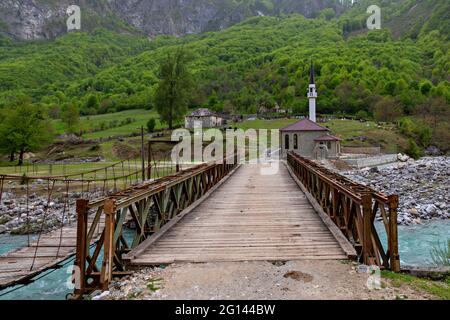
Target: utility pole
x,y
149,168
142,153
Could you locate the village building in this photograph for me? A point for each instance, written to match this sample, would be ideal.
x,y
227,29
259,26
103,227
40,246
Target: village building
x,y
306,137
205,118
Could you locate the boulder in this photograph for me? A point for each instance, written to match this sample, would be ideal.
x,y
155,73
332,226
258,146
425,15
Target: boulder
x,y
441,205
374,170
430,209
414,212
433,151
402,157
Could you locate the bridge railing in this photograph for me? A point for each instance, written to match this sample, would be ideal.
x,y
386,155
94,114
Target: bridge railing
x,y
148,206
353,208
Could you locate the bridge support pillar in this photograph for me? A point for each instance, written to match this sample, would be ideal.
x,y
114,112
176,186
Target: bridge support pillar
x,y
109,246
393,234
368,252
79,272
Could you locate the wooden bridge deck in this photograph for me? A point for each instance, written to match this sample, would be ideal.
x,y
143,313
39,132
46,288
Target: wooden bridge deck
x,y
249,217
20,265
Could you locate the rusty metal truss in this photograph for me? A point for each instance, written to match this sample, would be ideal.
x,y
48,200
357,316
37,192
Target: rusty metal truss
x,y
148,206
353,208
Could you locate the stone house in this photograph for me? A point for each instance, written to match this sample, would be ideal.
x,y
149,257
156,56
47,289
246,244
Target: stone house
x,y
205,117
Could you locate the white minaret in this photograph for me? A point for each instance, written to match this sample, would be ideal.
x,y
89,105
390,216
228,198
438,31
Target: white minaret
x,y
312,95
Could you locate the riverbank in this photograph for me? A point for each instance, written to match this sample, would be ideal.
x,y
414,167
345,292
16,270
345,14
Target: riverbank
x,y
422,185
32,214
262,280
35,213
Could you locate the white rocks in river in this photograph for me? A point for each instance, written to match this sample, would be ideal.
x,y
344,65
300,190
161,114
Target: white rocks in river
x,y
422,185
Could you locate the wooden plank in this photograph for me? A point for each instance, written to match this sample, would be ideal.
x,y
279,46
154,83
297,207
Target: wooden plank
x,y
343,241
236,246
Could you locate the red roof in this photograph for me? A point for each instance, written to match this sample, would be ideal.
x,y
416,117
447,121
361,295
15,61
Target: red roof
x,y
305,125
327,138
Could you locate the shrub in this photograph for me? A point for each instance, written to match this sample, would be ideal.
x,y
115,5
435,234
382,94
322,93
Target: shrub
x,y
440,256
151,125
424,134
418,130
413,150
362,115
406,126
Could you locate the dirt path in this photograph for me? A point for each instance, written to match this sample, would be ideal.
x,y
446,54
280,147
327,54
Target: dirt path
x,y
303,279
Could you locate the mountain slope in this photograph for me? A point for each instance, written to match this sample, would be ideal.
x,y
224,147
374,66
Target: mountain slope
x,y
45,19
405,18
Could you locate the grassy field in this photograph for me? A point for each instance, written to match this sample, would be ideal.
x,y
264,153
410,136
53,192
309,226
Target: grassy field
x,y
60,169
264,124
352,132
113,124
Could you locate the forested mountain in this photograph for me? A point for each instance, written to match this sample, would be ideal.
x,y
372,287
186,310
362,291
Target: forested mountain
x,y
400,70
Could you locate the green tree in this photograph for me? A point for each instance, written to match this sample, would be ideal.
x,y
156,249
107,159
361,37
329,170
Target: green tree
x,y
7,144
387,109
91,105
71,118
25,128
327,14
425,87
151,125
173,92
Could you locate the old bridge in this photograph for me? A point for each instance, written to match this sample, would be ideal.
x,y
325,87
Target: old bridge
x,y
227,212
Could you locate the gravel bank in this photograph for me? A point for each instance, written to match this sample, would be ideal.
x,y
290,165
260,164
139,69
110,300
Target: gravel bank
x,y
260,280
422,185
21,216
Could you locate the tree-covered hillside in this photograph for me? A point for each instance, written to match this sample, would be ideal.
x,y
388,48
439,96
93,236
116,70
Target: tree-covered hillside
x,y
405,18
258,63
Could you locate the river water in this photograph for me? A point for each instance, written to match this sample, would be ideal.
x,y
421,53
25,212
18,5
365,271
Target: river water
x,y
415,244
